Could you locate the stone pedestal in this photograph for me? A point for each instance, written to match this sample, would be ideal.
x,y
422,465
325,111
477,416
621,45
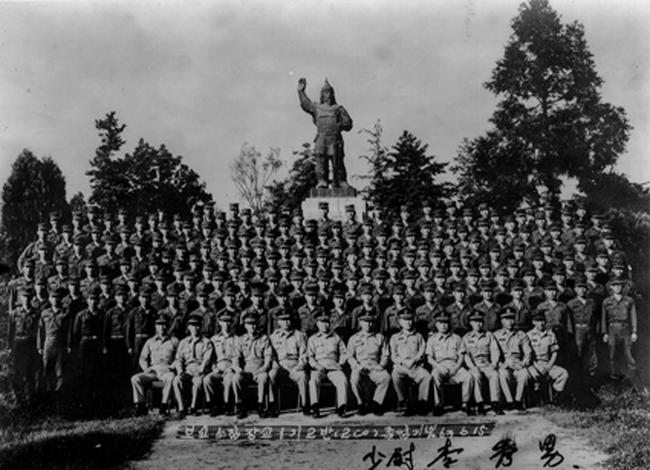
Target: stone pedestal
x,y
337,199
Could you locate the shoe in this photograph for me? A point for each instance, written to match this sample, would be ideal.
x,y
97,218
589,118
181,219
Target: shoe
x,y
377,409
181,413
272,411
340,411
496,407
164,411
230,409
480,408
438,411
315,411
518,405
261,412
191,411
140,409
305,411
363,409
241,411
422,408
467,410
410,410
401,405
215,411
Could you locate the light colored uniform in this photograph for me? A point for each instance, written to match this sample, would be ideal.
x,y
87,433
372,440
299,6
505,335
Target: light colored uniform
x,y
256,353
515,346
156,360
291,357
446,350
409,346
544,344
483,349
328,351
193,359
225,355
367,352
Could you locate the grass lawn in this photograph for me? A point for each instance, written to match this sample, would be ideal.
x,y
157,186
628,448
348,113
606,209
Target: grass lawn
x,y
620,426
60,444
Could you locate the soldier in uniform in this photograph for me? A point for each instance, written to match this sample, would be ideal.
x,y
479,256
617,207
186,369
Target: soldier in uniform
x,y
517,352
545,349
140,326
482,361
156,362
407,350
619,326
193,359
21,341
585,316
446,354
116,357
290,347
368,357
327,354
52,341
223,371
253,362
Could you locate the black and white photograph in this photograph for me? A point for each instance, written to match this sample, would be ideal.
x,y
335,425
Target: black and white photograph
x,y
325,234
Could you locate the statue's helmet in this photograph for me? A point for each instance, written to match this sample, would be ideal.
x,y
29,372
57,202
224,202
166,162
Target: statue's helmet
x,y
327,87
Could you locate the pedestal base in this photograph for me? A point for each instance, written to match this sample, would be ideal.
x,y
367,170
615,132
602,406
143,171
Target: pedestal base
x,y
336,205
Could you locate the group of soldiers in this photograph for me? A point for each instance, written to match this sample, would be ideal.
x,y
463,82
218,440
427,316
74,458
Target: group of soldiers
x,y
208,305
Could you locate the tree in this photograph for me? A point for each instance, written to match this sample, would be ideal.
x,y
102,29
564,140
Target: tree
x,y
78,203
291,192
551,121
405,175
251,174
143,181
614,191
34,188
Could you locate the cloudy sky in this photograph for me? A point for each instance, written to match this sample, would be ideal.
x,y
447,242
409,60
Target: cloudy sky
x,y
205,77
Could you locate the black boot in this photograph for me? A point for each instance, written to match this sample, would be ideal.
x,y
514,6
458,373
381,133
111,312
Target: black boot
x,y
229,409
215,410
241,410
496,407
363,409
480,408
519,405
410,409
422,408
140,409
164,411
377,408
340,411
315,411
272,411
260,410
438,411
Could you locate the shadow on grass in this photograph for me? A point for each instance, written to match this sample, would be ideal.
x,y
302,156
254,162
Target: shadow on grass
x,y
88,445
620,426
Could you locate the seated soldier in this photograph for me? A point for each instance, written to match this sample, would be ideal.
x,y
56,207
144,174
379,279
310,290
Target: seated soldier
x,y
515,346
255,352
156,360
446,354
482,361
193,359
368,357
290,348
407,349
223,372
545,350
326,353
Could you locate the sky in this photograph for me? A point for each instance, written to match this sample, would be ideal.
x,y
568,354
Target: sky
x,y
203,78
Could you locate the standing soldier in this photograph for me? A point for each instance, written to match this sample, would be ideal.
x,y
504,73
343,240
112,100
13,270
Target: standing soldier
x,y
515,345
368,357
254,351
223,370
156,362
327,354
482,360
51,341
114,348
86,343
407,350
619,326
16,285
290,347
21,341
585,315
559,320
193,359
139,326
446,354
545,348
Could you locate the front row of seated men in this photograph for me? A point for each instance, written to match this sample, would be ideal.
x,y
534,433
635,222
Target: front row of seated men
x,y
506,359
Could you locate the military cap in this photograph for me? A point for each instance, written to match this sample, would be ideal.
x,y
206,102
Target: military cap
x,y
61,261
459,287
424,264
581,282
367,288
105,279
473,272
195,320
321,315
430,286
94,292
324,276
442,318
121,289
502,271
337,264
538,256
322,252
162,319
188,275
349,208
311,263
204,291
365,263
455,263
476,316
283,315
234,206
172,290
133,277
284,291
379,274
618,265
528,272
74,279
323,205
399,289
440,274
560,269
411,253
311,288
58,292
539,316
517,285
232,289
285,264
487,285
352,275
78,239
410,275
338,292
616,282
550,285
145,291
366,316
507,312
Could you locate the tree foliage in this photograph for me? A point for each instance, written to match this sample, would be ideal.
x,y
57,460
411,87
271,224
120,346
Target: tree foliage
x,y
615,191
403,175
34,188
551,120
251,173
292,191
143,181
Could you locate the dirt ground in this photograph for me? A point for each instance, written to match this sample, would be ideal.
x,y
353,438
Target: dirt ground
x,y
526,428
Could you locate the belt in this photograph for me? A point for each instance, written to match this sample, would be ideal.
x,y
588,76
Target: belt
x,y
117,336
583,325
141,335
90,337
620,322
24,337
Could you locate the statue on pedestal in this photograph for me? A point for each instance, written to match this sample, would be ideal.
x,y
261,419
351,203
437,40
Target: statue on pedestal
x,y
330,120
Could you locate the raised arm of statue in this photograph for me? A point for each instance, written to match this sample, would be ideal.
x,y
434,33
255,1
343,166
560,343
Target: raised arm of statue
x,y
305,103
